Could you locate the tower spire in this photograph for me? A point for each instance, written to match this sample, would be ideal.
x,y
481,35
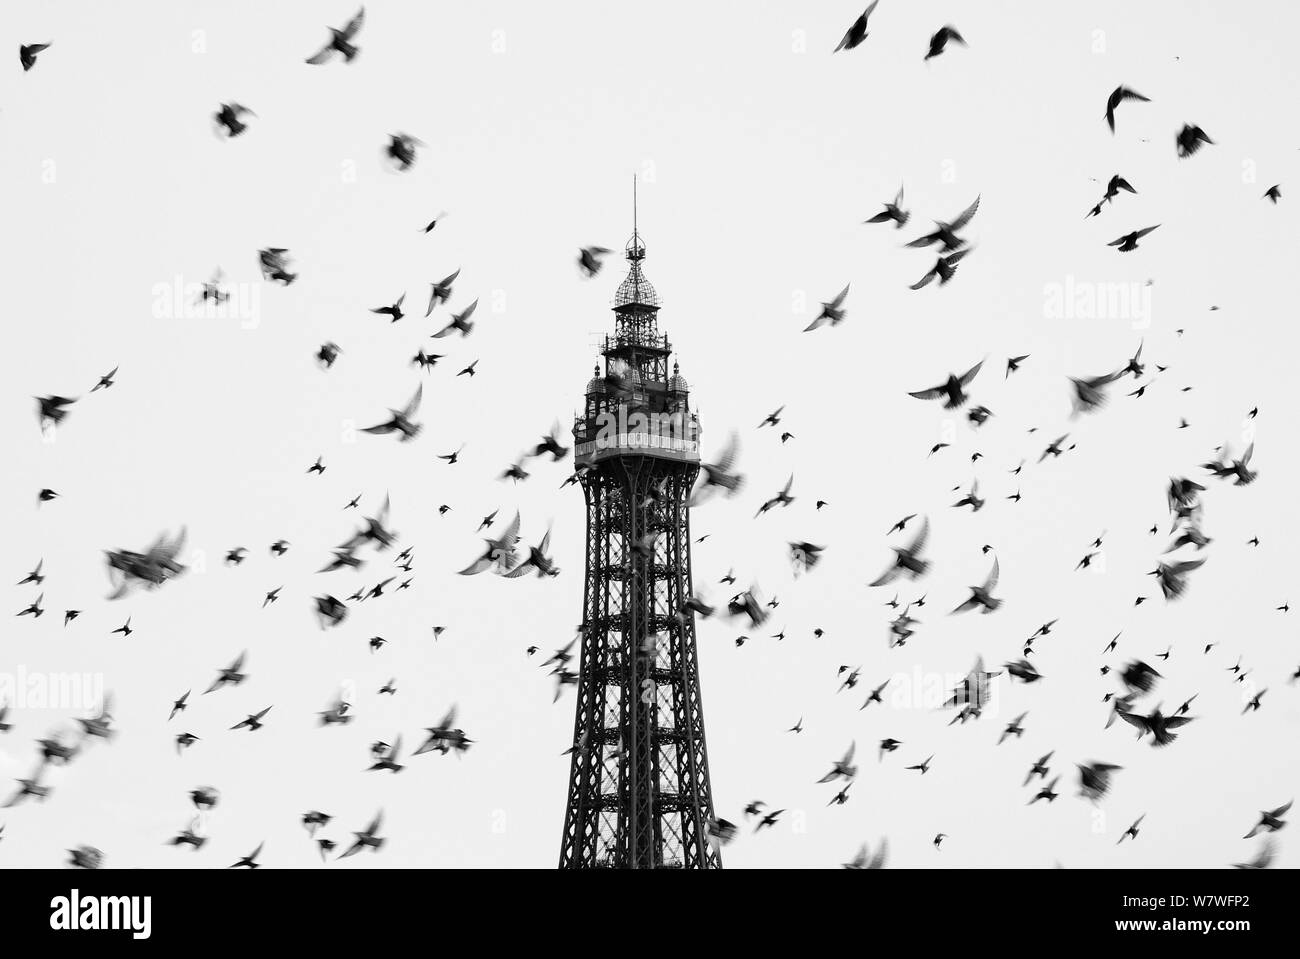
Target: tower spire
x,y
635,248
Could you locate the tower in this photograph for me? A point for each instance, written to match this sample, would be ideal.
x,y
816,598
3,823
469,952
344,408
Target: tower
x,y
639,794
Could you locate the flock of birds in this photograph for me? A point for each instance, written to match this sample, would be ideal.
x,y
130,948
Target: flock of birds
x,y
374,539
1089,394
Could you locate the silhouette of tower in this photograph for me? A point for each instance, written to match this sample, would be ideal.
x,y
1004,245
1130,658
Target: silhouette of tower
x,y
639,794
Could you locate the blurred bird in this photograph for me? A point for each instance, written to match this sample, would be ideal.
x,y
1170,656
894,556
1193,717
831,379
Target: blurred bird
x,y
228,117
939,42
833,312
893,211
1118,96
340,41
857,32
1190,139
27,54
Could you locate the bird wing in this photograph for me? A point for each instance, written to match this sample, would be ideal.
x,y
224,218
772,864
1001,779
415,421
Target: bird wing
x,y
882,852
918,543
992,581
969,212
414,403
1102,380
727,458
1281,811
352,850
355,24
888,576
322,55
1135,720
934,392
969,374
922,282
1143,232
469,310
522,569
511,536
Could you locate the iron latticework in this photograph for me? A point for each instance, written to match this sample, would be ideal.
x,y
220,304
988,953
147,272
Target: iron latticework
x,y
639,792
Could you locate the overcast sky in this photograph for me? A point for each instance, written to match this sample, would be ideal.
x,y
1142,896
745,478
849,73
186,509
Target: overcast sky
x,y
759,154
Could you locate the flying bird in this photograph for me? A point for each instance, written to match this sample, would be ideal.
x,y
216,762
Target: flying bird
x,y
460,323
1190,139
893,212
857,32
590,259
440,291
939,42
340,41
832,312
1129,241
401,149
945,268
1095,779
105,381
946,233
27,53
842,768
1270,820
401,419
1118,96
952,390
368,838
228,117
981,597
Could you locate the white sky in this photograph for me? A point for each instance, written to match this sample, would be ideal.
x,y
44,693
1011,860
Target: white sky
x,y
760,154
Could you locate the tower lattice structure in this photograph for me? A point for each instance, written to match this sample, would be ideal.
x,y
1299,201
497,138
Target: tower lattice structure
x,y
639,793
